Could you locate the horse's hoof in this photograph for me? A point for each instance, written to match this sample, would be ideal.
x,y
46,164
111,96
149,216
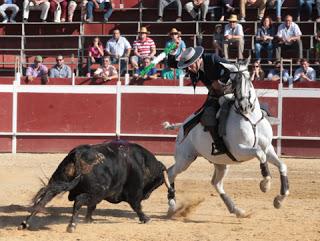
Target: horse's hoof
x,y
172,207
89,220
71,228
240,213
265,185
277,202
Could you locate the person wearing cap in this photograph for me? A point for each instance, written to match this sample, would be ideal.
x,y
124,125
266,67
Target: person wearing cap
x,y
42,5
259,4
105,5
143,47
164,3
207,69
9,5
174,55
37,70
196,6
60,69
233,35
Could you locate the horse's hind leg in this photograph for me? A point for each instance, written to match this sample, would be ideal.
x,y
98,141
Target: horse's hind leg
x,y
273,158
220,171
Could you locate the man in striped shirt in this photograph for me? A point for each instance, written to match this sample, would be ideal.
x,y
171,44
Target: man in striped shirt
x,y
143,47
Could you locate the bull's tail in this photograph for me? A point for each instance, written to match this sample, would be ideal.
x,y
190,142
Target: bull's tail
x,y
45,195
48,192
171,126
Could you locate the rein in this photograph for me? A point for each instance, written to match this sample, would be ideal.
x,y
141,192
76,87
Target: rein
x,y
236,106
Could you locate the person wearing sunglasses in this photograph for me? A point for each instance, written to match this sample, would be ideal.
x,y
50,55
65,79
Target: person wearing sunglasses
x,y
60,69
257,72
208,69
275,73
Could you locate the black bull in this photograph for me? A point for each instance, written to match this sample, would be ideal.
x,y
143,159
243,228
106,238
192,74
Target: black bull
x,y
116,171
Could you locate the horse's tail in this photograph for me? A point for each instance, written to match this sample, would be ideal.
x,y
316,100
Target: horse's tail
x,y
171,126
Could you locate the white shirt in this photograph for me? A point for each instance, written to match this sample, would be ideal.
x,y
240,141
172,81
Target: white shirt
x,y
103,1
118,47
292,31
311,74
238,30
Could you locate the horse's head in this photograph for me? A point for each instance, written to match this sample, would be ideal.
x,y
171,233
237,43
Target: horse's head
x,y
240,78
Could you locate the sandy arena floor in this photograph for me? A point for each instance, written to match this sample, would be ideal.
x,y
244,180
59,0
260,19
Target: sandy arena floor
x,y
299,219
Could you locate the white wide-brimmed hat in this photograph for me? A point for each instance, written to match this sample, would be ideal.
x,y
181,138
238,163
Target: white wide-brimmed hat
x,y
189,56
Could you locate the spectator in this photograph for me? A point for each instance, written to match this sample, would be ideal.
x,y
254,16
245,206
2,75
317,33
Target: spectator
x,y
264,38
304,72
106,5
118,47
317,47
318,11
260,4
58,10
274,74
226,8
257,72
42,5
218,40
233,35
143,47
174,55
106,71
289,37
152,74
12,6
37,70
277,4
164,3
95,54
308,5
72,7
60,70
171,73
196,7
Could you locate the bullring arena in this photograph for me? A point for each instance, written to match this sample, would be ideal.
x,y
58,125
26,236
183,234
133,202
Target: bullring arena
x,y
298,219
42,121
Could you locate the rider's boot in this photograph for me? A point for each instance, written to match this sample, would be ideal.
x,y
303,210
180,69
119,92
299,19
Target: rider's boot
x,y
218,146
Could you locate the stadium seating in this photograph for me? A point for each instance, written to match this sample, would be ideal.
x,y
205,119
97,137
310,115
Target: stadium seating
x,y
72,39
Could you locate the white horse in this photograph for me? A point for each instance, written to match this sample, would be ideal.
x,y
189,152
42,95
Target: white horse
x,y
248,135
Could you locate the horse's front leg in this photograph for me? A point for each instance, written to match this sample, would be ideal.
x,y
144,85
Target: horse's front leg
x,y
244,152
185,154
284,189
220,171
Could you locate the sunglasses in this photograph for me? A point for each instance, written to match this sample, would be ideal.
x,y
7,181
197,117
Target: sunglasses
x,y
256,66
173,33
59,59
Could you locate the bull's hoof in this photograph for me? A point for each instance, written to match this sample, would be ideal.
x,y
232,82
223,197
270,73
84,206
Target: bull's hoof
x,y
89,220
71,228
145,219
23,225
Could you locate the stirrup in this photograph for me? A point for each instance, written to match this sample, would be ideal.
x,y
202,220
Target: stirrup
x,y
217,151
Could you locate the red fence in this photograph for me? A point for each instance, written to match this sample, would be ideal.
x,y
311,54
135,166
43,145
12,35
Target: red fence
x,y
56,118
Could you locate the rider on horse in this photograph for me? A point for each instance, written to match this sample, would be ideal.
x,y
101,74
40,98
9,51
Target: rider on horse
x,y
207,69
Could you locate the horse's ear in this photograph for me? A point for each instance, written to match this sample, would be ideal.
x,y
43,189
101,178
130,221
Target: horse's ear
x,y
230,67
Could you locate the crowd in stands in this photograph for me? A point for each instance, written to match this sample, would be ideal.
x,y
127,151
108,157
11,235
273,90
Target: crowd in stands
x,y
273,37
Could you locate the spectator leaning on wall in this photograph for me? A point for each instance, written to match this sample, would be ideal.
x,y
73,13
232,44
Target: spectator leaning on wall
x,y
37,70
60,70
304,72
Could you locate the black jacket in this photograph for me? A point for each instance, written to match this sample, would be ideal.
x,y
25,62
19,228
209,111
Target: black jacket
x,y
212,70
